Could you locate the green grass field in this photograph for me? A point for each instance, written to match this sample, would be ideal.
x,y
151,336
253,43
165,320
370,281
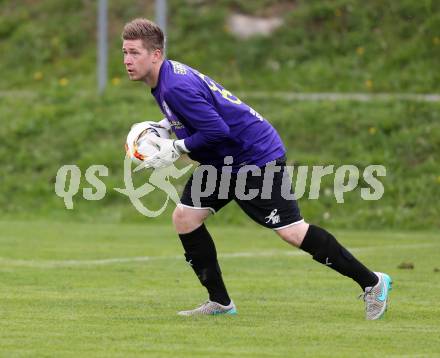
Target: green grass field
x,y
97,290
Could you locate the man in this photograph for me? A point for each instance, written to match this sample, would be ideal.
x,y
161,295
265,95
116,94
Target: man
x,y
216,128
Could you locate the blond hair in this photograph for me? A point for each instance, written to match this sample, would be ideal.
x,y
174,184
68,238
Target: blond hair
x,y
142,29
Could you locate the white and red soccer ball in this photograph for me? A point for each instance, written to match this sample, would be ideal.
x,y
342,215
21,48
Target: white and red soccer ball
x,y
138,146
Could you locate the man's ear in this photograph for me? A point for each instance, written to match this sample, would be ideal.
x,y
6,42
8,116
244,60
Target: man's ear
x,y
157,55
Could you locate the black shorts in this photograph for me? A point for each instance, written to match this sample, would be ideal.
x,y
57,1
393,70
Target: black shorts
x,y
271,207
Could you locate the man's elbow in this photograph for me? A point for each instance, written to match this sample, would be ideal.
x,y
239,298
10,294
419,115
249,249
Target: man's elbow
x,y
219,135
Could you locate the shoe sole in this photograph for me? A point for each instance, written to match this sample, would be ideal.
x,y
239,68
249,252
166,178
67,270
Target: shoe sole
x,y
232,311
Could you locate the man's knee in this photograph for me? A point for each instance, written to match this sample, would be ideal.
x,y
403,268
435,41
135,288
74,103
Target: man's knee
x,y
294,234
182,220
186,220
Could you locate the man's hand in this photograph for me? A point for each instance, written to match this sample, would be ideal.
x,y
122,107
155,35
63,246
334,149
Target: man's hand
x,y
167,155
164,124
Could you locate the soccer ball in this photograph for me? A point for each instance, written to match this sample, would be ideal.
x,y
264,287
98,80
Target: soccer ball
x,y
138,147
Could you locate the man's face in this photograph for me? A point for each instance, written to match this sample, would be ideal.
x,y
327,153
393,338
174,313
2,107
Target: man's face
x,y
138,60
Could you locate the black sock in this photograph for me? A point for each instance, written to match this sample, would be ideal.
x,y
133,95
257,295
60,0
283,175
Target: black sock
x,y
200,253
325,249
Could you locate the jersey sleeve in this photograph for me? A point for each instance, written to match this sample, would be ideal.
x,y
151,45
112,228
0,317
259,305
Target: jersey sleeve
x,y
190,104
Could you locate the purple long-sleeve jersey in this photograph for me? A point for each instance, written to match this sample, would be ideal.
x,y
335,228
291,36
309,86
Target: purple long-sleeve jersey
x,y
212,121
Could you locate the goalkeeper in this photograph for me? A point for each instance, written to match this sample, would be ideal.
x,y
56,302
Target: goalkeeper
x,y
216,128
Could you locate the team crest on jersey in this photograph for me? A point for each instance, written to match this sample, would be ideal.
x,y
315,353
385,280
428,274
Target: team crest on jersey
x,y
178,68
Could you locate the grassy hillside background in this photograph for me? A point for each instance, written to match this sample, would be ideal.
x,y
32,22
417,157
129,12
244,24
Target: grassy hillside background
x,y
50,114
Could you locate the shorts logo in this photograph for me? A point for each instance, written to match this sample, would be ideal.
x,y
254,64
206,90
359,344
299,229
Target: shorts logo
x,y
273,217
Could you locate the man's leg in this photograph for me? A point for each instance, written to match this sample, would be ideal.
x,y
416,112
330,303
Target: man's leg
x,y
328,251
325,249
200,250
281,213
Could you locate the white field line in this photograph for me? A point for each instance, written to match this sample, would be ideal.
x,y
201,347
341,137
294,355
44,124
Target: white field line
x,y
289,96
99,262
338,96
